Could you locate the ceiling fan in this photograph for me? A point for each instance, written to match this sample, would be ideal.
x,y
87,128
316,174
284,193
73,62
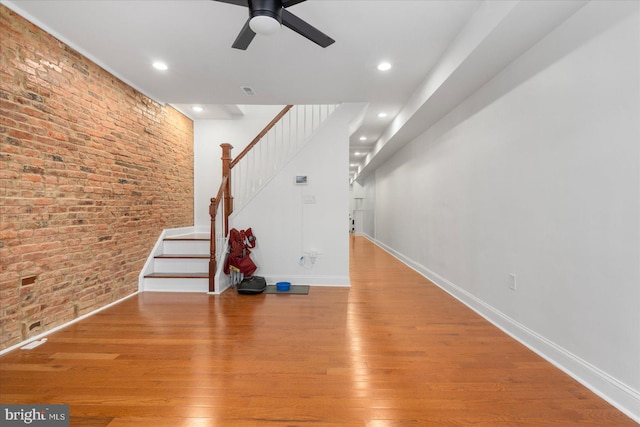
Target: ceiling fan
x,y
266,17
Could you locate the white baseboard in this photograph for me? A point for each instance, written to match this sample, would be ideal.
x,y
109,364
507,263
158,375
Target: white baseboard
x,y
222,288
64,325
146,269
201,229
618,394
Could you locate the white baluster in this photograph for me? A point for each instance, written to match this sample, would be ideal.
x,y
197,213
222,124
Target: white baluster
x,y
279,144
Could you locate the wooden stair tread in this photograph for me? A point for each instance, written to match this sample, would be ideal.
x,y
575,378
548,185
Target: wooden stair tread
x,y
178,275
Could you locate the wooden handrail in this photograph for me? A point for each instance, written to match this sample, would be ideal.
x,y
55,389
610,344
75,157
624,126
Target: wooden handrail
x,y
226,179
220,191
271,124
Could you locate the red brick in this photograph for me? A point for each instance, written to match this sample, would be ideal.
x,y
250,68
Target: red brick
x,y
72,131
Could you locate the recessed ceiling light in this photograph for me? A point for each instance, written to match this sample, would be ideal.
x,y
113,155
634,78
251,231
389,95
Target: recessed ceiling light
x,y
363,138
197,108
160,66
384,66
382,115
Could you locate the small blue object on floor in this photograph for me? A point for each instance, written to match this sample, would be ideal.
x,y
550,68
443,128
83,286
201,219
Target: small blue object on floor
x,y
293,290
283,286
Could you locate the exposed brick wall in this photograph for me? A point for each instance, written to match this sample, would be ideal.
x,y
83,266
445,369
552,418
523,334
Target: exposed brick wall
x,y
91,171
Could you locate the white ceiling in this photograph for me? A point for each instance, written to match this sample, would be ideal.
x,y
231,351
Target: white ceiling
x,y
194,38
441,52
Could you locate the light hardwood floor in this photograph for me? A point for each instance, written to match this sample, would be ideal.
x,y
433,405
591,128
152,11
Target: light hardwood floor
x,y
392,350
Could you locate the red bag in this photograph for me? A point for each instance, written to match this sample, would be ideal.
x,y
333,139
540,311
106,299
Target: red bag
x,y
239,243
245,265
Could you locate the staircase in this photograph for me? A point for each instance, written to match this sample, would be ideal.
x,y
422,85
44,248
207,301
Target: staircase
x,y
191,261
182,263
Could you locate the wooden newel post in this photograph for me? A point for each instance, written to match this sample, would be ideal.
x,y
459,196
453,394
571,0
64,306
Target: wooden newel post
x,y
213,262
226,172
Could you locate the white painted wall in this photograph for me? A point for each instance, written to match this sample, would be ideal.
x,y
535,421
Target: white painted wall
x,y
538,174
368,193
208,135
290,221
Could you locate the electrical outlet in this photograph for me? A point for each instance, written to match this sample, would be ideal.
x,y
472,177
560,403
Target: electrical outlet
x,y
511,281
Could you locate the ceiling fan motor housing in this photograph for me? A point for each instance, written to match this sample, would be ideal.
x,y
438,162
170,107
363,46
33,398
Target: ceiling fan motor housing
x,y
268,16
270,8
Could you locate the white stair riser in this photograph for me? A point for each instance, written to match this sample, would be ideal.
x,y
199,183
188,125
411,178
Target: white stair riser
x,y
180,265
152,284
181,247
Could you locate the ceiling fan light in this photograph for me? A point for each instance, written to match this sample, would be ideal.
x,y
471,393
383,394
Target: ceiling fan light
x,y
264,25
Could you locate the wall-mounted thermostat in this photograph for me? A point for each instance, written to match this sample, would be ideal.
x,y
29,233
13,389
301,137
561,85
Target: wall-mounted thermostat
x,y
301,179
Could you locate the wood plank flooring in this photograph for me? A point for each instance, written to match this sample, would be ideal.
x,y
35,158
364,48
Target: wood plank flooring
x,y
392,350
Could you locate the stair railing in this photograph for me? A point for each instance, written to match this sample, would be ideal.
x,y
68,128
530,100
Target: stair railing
x,y
278,142
282,137
217,238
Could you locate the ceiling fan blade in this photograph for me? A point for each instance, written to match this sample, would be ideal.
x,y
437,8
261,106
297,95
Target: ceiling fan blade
x,y
244,38
305,30
244,3
287,3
